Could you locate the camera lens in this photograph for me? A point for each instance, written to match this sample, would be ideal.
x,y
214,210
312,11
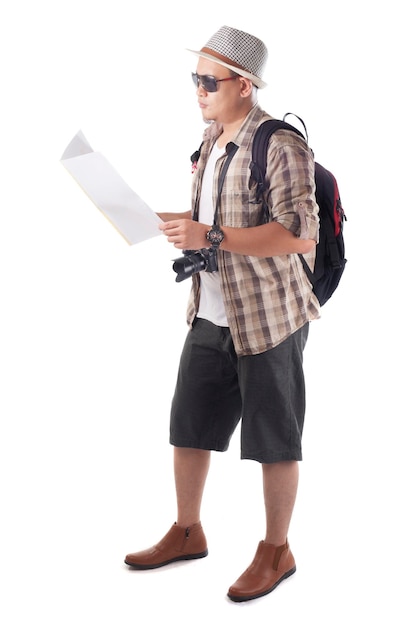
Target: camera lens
x,y
188,265
195,261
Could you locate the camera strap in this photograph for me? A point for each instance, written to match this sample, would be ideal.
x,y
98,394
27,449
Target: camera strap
x,y
231,150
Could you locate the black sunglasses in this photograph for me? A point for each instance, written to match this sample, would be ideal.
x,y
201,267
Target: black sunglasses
x,y
209,83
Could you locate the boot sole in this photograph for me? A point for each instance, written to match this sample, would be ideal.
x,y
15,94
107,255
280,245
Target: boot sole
x,y
264,593
185,557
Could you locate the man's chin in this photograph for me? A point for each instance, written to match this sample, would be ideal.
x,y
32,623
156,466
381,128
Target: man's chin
x,y
206,119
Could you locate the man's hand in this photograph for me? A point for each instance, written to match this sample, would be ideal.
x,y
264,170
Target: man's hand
x,y
186,234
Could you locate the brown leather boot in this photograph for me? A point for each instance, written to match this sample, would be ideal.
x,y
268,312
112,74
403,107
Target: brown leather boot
x,y
270,566
179,544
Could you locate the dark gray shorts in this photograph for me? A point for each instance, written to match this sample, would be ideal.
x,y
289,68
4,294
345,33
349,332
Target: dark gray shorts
x,y
215,389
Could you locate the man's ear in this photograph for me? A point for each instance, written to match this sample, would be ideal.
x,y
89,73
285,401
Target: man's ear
x,y
246,87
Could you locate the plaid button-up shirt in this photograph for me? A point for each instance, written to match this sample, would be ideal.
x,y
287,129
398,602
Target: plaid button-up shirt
x,y
266,299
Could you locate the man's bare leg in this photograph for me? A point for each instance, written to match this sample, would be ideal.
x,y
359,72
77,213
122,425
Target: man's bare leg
x,y
280,484
191,467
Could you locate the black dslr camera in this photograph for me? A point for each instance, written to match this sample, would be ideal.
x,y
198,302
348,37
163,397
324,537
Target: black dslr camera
x,y
195,261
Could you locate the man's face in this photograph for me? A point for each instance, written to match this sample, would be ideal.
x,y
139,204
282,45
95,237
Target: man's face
x,y
222,105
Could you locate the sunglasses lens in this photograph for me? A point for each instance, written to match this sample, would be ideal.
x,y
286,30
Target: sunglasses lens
x,y
208,83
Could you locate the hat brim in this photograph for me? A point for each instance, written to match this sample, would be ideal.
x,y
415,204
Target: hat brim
x,y
255,79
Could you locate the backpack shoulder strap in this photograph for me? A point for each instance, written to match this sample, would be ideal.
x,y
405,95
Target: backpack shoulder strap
x,y
260,149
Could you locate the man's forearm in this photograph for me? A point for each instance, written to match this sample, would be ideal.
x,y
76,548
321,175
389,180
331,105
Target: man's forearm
x,y
264,241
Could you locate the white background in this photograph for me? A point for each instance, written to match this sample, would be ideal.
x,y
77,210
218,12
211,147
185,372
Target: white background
x,y
91,328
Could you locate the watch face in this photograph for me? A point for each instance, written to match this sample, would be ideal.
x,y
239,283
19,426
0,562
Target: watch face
x,y
215,235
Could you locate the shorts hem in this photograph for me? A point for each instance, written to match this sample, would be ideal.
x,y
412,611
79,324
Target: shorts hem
x,y
272,457
199,445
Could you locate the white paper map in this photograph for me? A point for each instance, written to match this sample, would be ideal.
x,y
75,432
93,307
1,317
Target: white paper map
x,y
128,213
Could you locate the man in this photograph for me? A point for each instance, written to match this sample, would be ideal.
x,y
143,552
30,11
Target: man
x,y
242,358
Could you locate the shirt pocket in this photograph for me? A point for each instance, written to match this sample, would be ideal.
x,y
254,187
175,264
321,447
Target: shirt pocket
x,y
242,209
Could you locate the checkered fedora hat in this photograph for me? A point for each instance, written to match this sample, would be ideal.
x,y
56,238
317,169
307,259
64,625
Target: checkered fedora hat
x,y
243,53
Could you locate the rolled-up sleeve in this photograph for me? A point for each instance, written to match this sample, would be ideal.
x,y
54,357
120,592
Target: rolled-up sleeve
x,y
291,187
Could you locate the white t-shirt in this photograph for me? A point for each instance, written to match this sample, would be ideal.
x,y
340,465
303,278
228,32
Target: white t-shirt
x,y
211,300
